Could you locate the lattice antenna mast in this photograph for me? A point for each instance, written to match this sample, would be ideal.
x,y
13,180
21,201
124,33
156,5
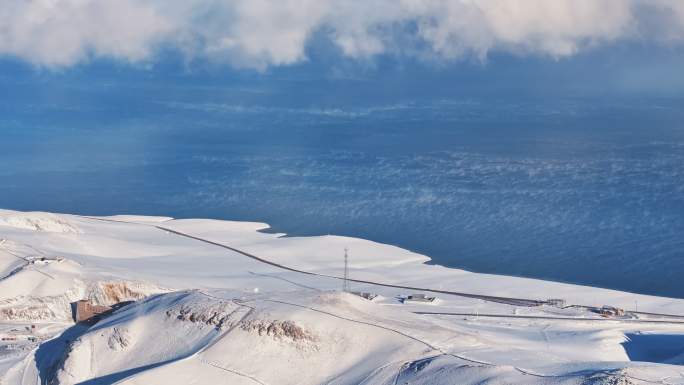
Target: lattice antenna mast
x,y
345,282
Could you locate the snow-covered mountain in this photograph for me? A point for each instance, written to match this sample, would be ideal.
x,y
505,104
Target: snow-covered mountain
x,y
220,302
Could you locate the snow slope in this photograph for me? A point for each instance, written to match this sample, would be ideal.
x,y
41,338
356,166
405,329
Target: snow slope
x,y
223,302
37,221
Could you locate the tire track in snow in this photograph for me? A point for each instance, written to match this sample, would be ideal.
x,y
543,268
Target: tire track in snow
x,y
233,371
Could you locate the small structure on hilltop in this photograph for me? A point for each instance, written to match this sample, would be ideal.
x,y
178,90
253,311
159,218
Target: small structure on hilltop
x,y
419,298
84,311
345,280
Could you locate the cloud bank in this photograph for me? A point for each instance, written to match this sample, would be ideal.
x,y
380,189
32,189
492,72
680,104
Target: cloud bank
x,y
262,33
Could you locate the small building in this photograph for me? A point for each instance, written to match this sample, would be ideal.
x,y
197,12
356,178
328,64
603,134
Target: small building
x,y
611,311
556,302
420,297
84,311
41,260
365,295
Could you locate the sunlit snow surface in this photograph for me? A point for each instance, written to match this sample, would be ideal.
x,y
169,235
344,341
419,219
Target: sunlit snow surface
x,y
575,191
207,310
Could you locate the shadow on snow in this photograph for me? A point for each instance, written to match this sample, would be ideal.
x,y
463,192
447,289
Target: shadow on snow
x,y
659,348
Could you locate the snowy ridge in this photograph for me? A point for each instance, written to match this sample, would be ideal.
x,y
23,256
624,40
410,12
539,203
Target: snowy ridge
x,y
221,302
38,221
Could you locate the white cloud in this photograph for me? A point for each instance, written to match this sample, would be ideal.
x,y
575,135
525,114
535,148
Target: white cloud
x,y
63,32
262,33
